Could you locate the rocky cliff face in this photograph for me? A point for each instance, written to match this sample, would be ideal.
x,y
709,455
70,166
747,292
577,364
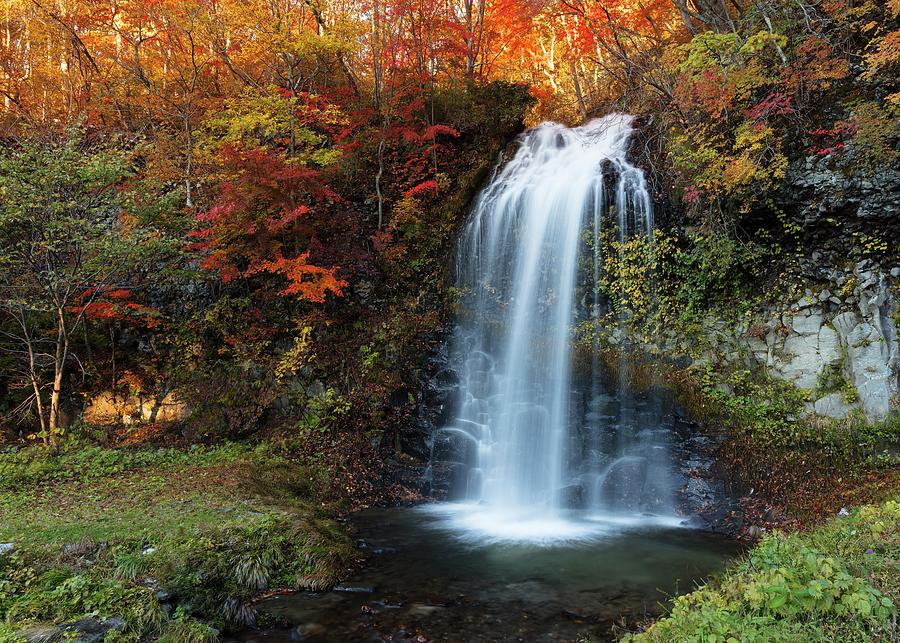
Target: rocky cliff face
x,y
825,200
838,341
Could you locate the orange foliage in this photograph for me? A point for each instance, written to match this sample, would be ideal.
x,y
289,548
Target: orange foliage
x,y
259,217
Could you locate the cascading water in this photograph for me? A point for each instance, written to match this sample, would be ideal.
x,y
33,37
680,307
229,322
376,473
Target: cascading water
x,y
537,449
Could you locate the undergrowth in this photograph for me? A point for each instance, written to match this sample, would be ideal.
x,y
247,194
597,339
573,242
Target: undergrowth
x,y
175,544
838,582
22,467
771,412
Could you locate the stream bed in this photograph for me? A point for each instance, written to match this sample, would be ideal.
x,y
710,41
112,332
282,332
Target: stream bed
x,y
425,580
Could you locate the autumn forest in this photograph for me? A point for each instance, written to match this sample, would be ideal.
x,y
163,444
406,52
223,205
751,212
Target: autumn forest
x,y
449,320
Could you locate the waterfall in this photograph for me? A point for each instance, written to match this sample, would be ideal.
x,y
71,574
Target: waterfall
x,y
533,451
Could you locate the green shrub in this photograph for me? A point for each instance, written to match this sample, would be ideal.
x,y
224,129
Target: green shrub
x,y
184,629
838,582
80,595
750,402
8,634
772,414
712,269
674,282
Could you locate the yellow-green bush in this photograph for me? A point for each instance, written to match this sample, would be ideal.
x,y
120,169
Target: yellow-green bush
x,y
838,582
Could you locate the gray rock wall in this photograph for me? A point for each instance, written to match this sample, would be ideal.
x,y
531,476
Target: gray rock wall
x,y
815,190
838,341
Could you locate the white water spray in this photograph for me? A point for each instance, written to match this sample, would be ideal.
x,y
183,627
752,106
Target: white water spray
x,y
518,265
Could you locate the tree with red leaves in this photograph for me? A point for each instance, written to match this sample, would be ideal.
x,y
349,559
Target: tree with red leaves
x,y
262,222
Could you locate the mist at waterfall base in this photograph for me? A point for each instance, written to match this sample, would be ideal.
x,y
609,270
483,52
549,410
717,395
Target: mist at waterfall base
x,y
540,453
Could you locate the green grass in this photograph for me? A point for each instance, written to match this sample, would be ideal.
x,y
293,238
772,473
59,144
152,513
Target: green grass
x,y
209,527
839,582
27,467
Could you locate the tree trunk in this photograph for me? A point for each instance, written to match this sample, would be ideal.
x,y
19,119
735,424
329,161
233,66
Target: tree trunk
x,y
376,55
39,404
35,382
189,162
158,400
378,181
582,108
54,405
685,15
59,367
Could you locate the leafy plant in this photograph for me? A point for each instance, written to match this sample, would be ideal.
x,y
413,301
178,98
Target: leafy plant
x,y
834,583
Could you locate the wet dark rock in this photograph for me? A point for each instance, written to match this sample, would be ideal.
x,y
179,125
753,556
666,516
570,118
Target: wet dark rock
x,y
682,361
449,480
452,445
398,398
371,548
624,483
40,634
433,400
816,192
715,515
754,532
161,593
728,518
572,497
88,630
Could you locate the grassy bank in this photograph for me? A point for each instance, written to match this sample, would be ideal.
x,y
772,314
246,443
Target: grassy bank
x,y
838,582
157,543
